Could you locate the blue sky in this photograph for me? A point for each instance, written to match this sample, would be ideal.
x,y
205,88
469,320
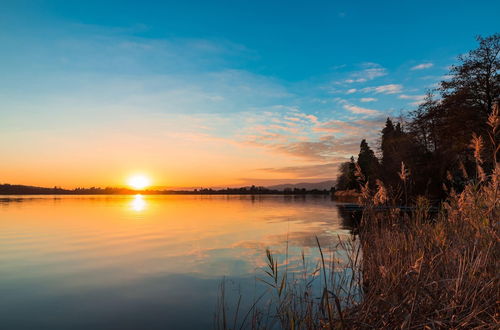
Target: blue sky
x,y
261,91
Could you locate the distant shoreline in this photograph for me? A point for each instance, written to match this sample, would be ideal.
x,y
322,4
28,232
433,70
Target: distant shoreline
x,y
21,190
323,193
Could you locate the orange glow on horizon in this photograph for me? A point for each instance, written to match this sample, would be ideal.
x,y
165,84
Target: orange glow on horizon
x,y
110,160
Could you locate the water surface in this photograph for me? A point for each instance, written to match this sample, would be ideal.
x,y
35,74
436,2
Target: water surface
x,y
143,262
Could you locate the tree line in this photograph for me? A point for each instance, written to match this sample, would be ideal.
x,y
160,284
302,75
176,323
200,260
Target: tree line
x,y
429,152
8,189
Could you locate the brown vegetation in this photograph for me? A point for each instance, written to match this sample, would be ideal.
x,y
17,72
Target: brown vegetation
x,y
420,272
406,271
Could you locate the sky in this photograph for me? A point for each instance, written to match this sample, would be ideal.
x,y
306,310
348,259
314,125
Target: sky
x,y
214,93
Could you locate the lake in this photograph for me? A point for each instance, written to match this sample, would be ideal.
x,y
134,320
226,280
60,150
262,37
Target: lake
x,y
145,262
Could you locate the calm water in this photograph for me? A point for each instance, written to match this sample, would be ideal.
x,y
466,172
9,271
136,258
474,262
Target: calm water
x,y
143,262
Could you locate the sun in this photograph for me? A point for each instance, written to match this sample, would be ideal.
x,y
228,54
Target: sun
x,y
139,182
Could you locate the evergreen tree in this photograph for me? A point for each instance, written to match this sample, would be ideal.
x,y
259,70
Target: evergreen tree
x,y
390,158
368,162
434,144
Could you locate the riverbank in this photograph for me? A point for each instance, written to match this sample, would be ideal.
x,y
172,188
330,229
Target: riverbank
x,y
423,271
403,269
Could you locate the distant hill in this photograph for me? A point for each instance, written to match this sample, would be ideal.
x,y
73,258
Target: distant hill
x,y
305,185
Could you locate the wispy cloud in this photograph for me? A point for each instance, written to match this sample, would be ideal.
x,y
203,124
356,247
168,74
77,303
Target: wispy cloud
x,y
311,140
355,109
367,99
368,72
325,148
384,89
308,171
418,99
336,126
360,127
372,71
411,97
312,118
360,110
422,66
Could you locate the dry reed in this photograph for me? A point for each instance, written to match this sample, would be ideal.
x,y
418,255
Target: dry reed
x,y
414,270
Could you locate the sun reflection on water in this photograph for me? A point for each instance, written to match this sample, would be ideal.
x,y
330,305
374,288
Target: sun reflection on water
x,y
138,204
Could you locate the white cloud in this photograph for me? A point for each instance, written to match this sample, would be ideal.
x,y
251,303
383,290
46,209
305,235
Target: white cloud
x,y
423,66
368,99
383,89
411,97
418,99
351,91
372,71
359,110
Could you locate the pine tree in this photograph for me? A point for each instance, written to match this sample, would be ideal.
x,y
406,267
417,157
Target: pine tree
x,y
368,162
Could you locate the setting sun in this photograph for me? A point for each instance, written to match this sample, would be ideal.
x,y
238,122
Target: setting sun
x,y
139,182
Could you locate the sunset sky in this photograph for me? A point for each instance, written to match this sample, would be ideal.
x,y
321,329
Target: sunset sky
x,y
214,93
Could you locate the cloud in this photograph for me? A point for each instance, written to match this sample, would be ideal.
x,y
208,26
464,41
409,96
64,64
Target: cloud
x,y
308,171
351,91
302,139
350,81
418,99
365,75
278,126
360,127
312,118
335,126
360,110
355,109
371,71
411,97
422,66
326,148
309,138
383,89
368,99
353,132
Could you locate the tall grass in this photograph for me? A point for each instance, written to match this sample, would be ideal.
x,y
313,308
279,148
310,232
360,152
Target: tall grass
x,y
437,273
442,271
311,295
407,270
